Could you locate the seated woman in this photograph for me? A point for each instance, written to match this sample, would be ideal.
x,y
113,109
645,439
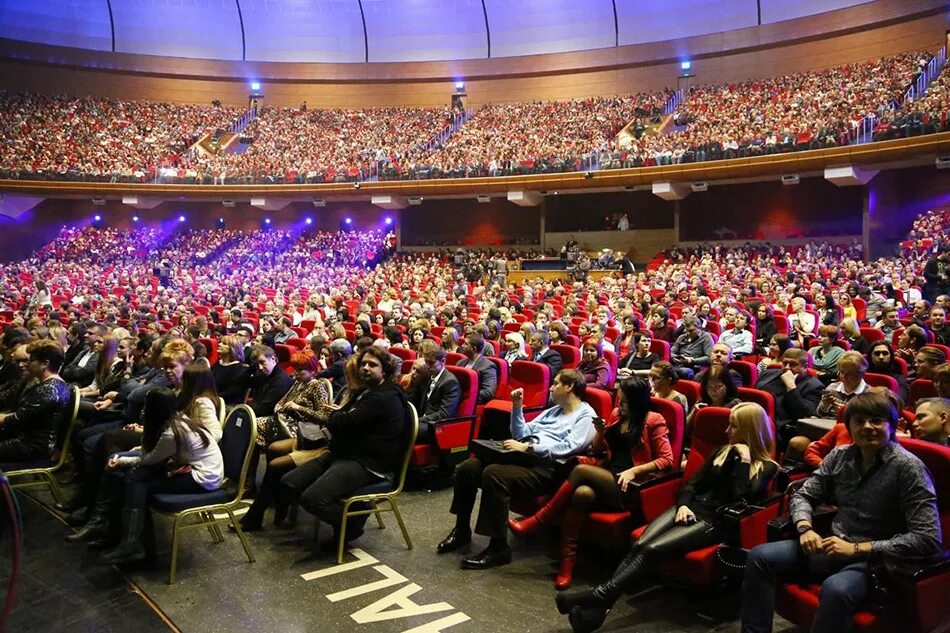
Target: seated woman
x,y
826,355
593,366
514,348
926,361
28,433
740,470
827,309
777,346
765,328
663,379
739,338
636,443
113,366
640,360
197,467
230,372
851,332
717,388
850,312
626,342
801,324
302,412
659,321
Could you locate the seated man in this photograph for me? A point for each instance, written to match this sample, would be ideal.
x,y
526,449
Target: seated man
x,y
434,391
721,356
938,325
366,447
796,393
28,433
565,429
933,421
691,348
887,508
475,360
540,340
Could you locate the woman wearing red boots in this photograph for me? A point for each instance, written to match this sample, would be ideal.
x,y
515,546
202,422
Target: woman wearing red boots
x,y
636,442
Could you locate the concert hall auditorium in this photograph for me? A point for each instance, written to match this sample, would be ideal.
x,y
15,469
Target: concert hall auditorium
x,y
421,316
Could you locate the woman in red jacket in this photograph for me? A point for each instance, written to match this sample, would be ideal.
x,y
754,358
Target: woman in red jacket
x,y
636,442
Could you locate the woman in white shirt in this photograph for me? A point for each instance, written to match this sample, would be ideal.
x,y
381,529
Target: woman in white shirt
x,y
178,456
801,324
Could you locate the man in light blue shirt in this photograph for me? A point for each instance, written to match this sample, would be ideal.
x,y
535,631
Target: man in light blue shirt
x,y
565,429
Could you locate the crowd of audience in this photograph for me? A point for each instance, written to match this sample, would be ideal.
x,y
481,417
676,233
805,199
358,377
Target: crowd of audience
x,y
284,317
63,138
55,137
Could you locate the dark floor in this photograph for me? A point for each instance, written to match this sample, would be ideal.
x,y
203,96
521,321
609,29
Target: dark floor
x,y
385,587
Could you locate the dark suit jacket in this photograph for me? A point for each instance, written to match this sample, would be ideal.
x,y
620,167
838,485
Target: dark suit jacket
x,y
551,358
372,429
334,373
444,401
81,376
487,377
800,402
266,391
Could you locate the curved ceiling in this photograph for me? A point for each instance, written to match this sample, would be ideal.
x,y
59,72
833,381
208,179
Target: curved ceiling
x,y
380,30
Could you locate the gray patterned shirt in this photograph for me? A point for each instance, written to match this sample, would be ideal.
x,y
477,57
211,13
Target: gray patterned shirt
x,y
893,505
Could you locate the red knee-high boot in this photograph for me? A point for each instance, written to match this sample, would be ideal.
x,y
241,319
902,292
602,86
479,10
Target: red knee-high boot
x,y
546,515
570,532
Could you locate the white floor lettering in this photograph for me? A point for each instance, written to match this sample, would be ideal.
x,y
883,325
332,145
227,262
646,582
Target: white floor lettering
x,y
441,624
392,578
406,608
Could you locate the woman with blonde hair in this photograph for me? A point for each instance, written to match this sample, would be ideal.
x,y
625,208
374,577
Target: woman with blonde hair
x,y
514,348
739,471
230,371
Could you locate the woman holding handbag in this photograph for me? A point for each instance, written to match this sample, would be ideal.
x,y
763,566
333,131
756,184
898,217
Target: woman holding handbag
x,y
740,470
635,443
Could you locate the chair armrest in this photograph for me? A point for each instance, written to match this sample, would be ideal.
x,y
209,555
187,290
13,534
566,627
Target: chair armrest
x,y
788,474
461,418
781,528
642,482
656,499
747,525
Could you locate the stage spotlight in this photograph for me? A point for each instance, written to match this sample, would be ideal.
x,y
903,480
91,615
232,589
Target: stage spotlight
x,y
266,220
135,218
348,221
389,221
181,218
98,218
255,86
309,220
686,66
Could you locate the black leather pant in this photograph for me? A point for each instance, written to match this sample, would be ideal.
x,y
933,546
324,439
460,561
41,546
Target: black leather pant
x,y
660,540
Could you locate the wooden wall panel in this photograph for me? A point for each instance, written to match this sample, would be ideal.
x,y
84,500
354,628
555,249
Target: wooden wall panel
x,y
764,51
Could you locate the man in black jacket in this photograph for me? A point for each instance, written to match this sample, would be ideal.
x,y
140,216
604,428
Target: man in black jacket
x,y
544,354
82,369
435,392
269,381
796,393
475,360
369,437
340,350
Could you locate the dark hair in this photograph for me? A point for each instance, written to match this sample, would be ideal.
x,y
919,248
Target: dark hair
x,y
392,333
636,390
104,365
197,381
573,379
49,352
915,334
877,405
387,360
161,405
783,342
14,336
666,368
722,374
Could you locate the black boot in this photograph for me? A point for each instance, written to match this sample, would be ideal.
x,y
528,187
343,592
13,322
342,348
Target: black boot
x,y
603,596
71,505
130,550
587,620
97,525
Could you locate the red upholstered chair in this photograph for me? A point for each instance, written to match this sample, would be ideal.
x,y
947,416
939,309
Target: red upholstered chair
x,y
748,371
781,324
701,567
453,358
613,362
211,344
453,434
570,355
661,348
602,402
298,343
403,352
502,390
920,389
762,398
881,380
922,606
714,328
903,365
872,334
284,353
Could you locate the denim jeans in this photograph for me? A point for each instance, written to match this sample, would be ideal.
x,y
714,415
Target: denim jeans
x,y
843,590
